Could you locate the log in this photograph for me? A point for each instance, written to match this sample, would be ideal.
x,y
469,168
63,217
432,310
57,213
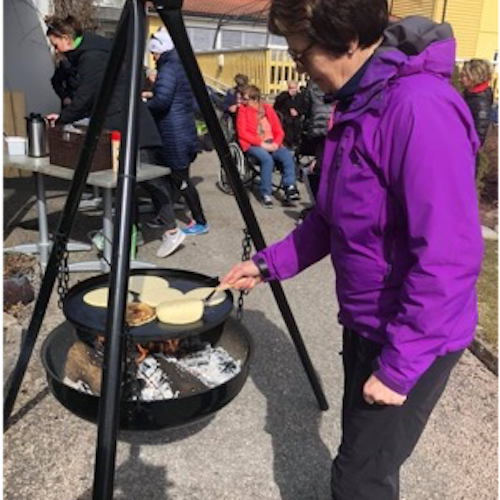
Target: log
x,y
181,380
82,363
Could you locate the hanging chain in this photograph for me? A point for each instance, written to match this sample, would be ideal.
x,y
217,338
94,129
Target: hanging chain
x,y
247,250
63,269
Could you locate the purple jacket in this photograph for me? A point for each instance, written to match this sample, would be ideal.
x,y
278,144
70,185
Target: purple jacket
x,y
397,208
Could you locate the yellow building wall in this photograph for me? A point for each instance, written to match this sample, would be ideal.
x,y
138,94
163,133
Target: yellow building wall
x,y
474,22
269,69
465,18
404,8
223,66
487,43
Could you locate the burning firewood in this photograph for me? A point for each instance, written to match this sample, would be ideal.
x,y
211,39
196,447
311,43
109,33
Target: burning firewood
x,y
84,364
168,347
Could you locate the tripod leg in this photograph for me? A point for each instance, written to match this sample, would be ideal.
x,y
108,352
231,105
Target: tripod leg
x,y
61,236
109,403
170,13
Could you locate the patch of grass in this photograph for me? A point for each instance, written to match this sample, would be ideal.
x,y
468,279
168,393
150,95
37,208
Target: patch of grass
x,y
487,291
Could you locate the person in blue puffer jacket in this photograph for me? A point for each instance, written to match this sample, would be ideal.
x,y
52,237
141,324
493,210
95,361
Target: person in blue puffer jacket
x,y
172,106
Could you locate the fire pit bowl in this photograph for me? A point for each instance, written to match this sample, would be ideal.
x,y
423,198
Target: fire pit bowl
x,y
148,415
91,321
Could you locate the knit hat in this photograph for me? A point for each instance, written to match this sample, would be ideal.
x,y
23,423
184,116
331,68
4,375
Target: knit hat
x,y
160,42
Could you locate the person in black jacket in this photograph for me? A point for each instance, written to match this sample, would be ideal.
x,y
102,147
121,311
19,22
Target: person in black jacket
x,y
475,77
230,105
172,106
232,100
65,80
88,53
316,116
288,105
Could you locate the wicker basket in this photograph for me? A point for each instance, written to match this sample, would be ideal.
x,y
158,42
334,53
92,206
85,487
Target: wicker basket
x,y
64,149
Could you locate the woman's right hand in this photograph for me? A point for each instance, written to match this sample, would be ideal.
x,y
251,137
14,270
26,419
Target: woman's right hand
x,y
52,118
243,276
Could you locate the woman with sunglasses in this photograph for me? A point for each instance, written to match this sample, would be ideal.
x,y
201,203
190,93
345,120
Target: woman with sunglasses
x,y
261,135
397,213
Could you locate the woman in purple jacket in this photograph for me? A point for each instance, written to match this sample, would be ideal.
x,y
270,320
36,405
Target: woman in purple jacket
x,y
397,213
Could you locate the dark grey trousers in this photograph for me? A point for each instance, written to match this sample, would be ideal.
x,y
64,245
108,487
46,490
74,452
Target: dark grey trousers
x,y
159,189
376,440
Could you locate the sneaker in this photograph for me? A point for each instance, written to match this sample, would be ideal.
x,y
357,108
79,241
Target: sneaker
x,y
267,201
155,223
139,238
291,193
98,240
170,243
196,229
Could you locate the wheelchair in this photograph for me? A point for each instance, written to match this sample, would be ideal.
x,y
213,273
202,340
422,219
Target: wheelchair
x,y
245,171
248,167
249,172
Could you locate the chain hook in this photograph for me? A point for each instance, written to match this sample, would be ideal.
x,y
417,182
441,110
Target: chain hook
x,y
247,250
63,269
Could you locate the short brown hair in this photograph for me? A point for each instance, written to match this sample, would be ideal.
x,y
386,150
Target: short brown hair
x,y
252,92
58,26
241,80
477,71
333,24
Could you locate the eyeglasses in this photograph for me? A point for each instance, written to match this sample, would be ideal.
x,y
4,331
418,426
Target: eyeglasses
x,y
298,57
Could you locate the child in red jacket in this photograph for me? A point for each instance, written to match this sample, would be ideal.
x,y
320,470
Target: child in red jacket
x,y
260,135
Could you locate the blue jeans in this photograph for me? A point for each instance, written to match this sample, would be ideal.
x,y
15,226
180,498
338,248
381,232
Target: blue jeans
x,y
266,161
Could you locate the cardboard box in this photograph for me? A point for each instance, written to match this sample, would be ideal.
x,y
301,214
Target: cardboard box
x,y
14,124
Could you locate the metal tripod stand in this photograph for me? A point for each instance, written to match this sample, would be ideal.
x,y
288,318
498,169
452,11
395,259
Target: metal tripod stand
x,y
128,46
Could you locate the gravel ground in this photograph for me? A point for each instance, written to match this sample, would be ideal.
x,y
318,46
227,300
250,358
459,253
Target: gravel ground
x,y
271,442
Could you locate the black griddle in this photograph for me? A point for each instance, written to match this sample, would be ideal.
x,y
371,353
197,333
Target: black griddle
x,y
91,321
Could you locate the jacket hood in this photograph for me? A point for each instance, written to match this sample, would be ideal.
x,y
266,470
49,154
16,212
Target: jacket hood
x,y
427,47
90,41
410,46
414,34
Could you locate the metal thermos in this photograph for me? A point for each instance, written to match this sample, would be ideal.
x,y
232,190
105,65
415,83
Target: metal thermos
x,y
36,128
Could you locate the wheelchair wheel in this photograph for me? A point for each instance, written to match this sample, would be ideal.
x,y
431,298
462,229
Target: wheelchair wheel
x,y
241,165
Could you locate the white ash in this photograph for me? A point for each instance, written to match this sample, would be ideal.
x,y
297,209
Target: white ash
x,y
156,385
213,366
79,385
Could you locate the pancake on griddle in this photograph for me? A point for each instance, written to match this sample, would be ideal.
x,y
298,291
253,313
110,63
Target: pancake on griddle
x,y
100,297
139,313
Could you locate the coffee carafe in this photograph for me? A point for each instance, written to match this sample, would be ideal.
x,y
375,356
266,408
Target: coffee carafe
x,y
36,129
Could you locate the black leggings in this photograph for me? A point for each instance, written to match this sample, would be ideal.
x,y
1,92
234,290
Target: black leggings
x,y
159,189
181,184
376,439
